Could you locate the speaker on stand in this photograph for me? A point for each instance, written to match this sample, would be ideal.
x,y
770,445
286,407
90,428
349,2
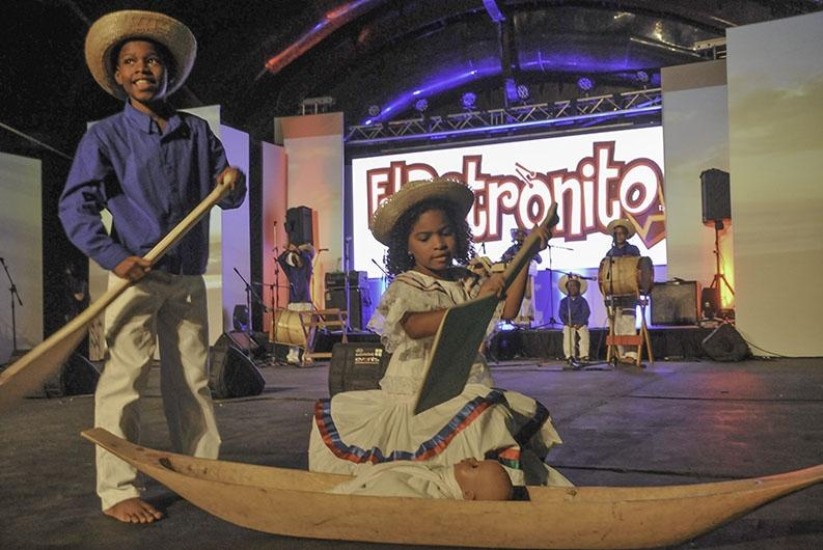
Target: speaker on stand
x,y
299,225
716,199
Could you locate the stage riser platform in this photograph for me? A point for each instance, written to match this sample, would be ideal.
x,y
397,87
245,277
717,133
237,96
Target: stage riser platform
x,y
668,343
675,343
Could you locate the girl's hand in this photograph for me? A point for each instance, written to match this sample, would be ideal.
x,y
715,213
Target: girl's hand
x,y
544,234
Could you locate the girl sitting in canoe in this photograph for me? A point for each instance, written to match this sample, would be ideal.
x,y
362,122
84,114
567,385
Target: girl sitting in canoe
x,y
424,227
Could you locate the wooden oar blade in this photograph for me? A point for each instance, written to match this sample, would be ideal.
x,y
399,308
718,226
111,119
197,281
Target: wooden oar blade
x,y
28,374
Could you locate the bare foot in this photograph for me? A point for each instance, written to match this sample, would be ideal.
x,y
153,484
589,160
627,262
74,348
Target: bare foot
x,y
134,510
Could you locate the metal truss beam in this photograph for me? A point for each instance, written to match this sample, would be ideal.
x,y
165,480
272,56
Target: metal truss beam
x,y
572,113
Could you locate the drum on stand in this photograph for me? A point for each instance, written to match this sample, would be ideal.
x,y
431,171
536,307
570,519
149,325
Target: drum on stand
x,y
626,275
287,328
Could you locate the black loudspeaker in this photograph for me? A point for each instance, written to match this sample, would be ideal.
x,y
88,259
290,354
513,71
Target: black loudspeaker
x,y
299,225
356,366
247,343
717,204
240,317
725,344
233,374
710,302
77,376
336,298
674,303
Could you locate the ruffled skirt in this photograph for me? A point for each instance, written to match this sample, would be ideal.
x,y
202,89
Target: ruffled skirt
x,y
375,426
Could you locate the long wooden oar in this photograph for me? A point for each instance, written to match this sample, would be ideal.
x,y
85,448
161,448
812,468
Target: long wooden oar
x,y
28,373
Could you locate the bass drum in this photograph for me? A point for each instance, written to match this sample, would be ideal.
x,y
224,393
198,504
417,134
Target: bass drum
x,y
626,275
286,328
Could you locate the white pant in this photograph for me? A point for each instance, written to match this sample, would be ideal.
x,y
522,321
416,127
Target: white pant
x,y
294,351
569,338
624,324
169,311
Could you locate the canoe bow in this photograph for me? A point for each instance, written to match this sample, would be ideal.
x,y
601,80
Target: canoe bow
x,y
295,503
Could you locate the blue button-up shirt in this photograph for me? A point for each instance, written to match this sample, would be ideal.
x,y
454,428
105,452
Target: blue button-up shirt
x,y
574,310
625,250
149,181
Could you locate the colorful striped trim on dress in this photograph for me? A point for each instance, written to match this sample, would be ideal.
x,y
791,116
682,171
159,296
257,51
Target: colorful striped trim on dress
x,y
428,449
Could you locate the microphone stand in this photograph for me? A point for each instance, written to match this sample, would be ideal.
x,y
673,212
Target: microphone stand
x,y
612,352
13,292
275,296
249,291
552,320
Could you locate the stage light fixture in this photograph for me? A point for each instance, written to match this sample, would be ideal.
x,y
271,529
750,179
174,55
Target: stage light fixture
x,y
421,105
374,110
585,83
469,100
523,92
643,77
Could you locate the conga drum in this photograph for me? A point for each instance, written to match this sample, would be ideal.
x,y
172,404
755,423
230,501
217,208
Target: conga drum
x,y
287,328
626,275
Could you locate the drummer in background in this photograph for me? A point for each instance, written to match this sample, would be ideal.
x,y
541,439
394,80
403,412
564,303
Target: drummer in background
x,y
296,262
526,314
624,306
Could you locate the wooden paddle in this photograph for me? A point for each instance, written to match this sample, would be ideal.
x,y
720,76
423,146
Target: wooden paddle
x,y
28,373
463,329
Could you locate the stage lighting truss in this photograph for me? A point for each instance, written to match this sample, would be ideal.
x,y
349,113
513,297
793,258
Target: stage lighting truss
x,y
570,114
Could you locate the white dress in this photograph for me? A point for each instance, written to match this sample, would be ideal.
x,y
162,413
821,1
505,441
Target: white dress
x,y
376,426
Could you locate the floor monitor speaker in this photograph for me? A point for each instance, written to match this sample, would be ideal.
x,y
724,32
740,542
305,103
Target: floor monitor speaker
x,y
77,376
726,344
233,373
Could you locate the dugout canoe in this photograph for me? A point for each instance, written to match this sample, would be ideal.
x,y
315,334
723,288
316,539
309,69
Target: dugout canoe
x,y
295,503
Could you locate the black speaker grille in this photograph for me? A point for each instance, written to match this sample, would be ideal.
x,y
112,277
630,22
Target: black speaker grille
x,y
299,225
716,195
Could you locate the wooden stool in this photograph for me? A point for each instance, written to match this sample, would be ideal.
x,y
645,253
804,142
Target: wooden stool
x,y
323,319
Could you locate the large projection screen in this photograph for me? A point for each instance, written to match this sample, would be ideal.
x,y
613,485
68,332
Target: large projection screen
x,y
595,178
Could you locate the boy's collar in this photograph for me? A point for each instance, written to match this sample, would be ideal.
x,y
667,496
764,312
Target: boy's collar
x,y
146,123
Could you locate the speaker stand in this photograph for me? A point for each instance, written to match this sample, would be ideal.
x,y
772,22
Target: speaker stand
x,y
719,278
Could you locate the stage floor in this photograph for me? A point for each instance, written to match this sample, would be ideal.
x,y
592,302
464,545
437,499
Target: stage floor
x,y
670,423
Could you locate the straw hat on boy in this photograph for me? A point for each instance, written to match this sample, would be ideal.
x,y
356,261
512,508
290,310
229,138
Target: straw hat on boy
x,y
624,223
564,280
114,28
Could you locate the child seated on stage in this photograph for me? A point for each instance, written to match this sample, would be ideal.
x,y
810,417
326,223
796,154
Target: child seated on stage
x,y
469,479
574,313
429,244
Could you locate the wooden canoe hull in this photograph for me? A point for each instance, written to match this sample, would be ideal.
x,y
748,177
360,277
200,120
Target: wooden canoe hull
x,y
294,503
